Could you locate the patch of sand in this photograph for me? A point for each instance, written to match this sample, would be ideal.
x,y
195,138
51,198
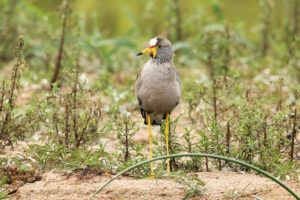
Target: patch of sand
x,y
218,184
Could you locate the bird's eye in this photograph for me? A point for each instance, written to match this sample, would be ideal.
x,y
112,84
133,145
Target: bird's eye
x,y
159,46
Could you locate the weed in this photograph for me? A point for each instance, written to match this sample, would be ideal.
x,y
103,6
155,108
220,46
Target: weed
x,y
235,194
267,6
13,122
189,146
80,118
126,129
62,40
192,185
3,193
8,28
131,153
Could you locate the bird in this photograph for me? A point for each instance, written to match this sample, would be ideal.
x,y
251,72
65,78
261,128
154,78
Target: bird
x,y
158,88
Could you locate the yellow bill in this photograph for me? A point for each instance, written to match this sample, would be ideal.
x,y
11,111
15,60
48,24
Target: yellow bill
x,y
148,50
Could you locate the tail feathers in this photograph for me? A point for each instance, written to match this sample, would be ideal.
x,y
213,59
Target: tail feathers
x,y
155,119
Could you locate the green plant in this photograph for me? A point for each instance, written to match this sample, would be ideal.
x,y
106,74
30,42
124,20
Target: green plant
x,y
131,153
65,17
192,185
126,129
72,117
8,28
52,155
14,123
267,6
3,194
235,194
190,142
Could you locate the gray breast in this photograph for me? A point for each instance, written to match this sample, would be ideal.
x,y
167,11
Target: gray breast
x,y
160,90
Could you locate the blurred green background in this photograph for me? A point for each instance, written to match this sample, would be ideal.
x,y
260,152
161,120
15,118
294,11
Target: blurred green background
x,y
117,17
107,34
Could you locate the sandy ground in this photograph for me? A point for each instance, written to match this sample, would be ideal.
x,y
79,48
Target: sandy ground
x,y
219,185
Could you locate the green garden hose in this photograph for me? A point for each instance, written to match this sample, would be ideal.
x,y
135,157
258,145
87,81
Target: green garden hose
x,y
200,155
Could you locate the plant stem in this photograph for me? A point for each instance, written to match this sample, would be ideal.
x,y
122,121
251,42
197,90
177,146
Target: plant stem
x,y
296,17
293,135
228,138
61,45
178,20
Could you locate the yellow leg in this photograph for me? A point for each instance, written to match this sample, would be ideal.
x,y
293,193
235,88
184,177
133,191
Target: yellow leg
x,y
167,142
150,144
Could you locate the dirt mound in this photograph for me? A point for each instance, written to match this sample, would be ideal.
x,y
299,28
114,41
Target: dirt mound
x,y
18,178
16,175
88,173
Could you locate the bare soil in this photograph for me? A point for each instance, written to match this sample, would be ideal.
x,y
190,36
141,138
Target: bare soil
x,y
78,185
